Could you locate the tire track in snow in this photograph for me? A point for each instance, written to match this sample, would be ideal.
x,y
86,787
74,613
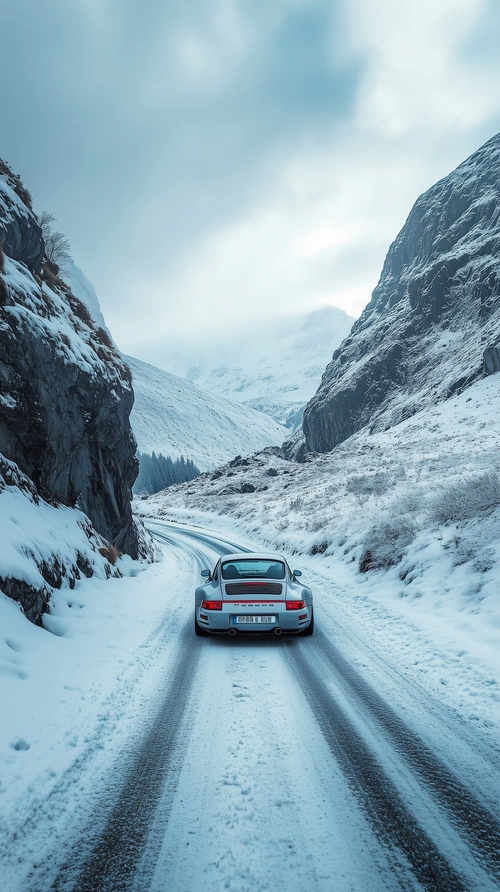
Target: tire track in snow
x,y
115,855
392,821
176,536
114,858
464,810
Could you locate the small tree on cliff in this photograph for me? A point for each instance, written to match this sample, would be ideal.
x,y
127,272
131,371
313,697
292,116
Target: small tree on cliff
x,y
57,246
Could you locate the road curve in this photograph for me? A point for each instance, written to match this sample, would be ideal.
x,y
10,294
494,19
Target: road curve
x,y
290,772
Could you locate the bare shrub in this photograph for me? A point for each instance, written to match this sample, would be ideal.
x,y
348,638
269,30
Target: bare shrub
x,y
50,272
57,246
385,543
103,337
411,501
470,497
80,310
369,484
127,375
319,547
319,523
110,553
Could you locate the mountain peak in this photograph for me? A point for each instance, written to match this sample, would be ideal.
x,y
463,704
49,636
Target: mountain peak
x,y
435,309
274,366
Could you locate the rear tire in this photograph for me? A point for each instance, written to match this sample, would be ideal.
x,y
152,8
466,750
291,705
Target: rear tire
x,y
310,628
198,630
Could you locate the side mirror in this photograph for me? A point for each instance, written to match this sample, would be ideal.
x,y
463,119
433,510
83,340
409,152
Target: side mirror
x,y
205,572
297,573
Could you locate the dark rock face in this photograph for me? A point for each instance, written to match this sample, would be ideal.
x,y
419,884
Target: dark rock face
x,y
422,337
65,392
492,359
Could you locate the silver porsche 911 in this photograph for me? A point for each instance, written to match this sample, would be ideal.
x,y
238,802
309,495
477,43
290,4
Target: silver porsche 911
x,y
253,593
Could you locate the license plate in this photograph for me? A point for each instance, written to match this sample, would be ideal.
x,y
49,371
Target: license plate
x,y
254,620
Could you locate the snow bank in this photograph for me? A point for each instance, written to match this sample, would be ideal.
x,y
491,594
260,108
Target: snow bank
x,y
71,699
44,546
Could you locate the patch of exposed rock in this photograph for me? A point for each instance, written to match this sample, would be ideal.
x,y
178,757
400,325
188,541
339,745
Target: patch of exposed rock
x,y
433,324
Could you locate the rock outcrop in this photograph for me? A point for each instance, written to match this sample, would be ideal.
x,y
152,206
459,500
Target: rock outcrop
x,y
492,359
20,232
433,323
65,391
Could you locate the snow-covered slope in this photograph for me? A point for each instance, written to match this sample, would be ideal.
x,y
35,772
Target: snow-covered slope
x,y
173,416
412,512
274,366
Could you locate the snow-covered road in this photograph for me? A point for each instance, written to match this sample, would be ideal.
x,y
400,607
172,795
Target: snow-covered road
x,y
260,763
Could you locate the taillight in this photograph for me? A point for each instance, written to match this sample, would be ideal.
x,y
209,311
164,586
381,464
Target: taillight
x,y
211,605
295,605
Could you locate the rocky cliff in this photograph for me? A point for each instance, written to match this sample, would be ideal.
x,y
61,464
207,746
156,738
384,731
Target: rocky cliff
x,y
65,391
433,323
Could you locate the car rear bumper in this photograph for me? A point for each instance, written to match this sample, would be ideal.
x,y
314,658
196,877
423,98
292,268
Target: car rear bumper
x,y
223,621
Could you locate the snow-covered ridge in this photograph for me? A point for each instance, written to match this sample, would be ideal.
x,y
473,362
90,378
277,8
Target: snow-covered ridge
x,y
274,366
175,417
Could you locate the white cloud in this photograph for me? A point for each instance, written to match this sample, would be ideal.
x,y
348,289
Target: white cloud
x,y
221,159
416,77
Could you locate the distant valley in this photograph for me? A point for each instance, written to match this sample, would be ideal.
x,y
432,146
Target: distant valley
x,y
273,366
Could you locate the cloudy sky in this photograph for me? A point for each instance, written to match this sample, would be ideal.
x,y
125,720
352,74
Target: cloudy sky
x,y
215,160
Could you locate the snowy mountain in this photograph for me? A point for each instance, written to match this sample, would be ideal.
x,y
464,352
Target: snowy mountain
x,y
432,326
175,417
274,366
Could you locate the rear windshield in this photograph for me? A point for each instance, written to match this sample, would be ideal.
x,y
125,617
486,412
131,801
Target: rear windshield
x,y
253,569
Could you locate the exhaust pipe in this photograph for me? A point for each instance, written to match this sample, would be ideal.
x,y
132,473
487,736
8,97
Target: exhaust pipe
x,y
232,631
277,631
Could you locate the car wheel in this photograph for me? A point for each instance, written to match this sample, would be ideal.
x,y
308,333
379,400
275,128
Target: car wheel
x,y
198,630
310,628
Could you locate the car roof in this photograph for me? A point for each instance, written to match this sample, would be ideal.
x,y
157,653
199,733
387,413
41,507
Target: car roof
x,y
253,555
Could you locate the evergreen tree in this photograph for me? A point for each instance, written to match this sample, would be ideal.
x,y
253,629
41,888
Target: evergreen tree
x,y
157,472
